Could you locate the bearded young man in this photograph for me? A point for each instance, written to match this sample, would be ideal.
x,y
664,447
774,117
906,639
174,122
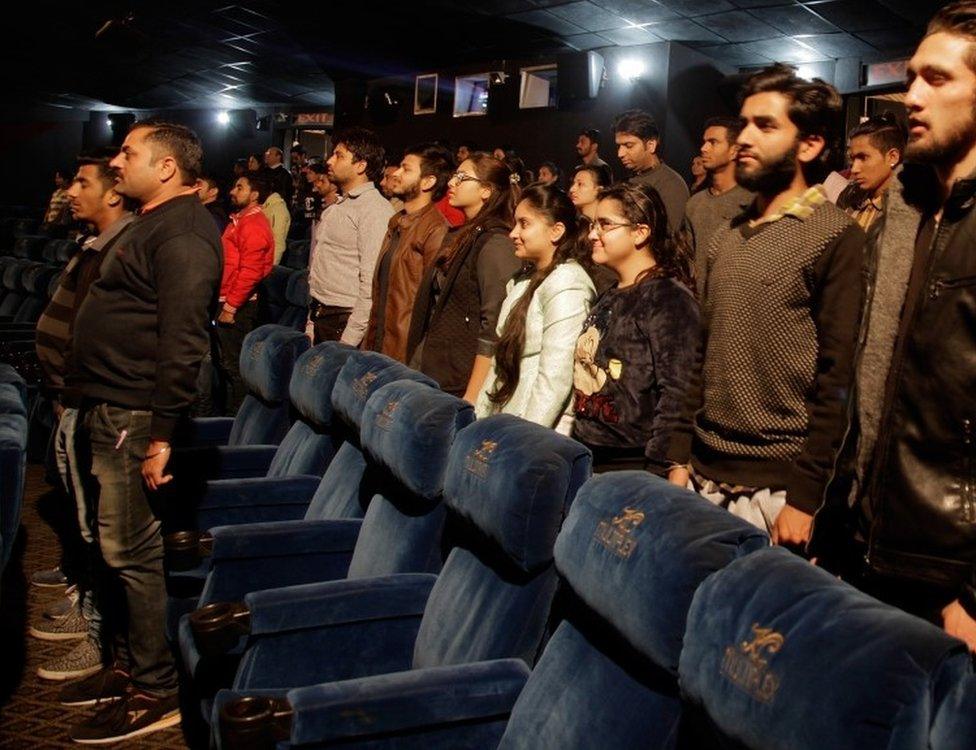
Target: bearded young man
x,y
905,495
780,314
413,240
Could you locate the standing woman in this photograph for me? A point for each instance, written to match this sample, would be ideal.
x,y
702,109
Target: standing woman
x,y
532,373
452,330
585,189
640,345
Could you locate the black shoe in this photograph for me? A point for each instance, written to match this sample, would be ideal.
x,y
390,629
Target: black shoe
x,y
134,715
109,684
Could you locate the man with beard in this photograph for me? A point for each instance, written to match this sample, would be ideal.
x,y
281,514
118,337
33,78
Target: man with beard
x,y
780,313
413,240
348,241
638,148
905,495
723,199
588,148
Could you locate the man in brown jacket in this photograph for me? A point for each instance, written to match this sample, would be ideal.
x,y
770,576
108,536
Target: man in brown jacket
x,y
412,242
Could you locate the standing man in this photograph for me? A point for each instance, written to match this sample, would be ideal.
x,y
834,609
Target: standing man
x,y
638,142
723,199
249,249
876,149
92,200
139,338
209,192
588,148
780,314
348,241
412,243
280,177
908,475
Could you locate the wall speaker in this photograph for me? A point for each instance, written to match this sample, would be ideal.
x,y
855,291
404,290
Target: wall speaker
x,y
578,76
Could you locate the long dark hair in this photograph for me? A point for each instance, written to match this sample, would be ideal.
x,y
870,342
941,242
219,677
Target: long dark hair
x,y
497,210
643,205
553,204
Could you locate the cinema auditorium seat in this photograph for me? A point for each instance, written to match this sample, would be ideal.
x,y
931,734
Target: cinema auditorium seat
x,y
406,433
13,451
781,654
509,484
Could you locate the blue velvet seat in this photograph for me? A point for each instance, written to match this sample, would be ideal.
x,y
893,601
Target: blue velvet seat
x,y
406,431
508,487
780,654
267,361
13,448
295,313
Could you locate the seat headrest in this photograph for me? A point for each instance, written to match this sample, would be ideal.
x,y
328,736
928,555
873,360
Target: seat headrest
x,y
771,636
409,428
515,480
635,547
52,286
314,377
363,374
296,291
11,275
267,358
275,283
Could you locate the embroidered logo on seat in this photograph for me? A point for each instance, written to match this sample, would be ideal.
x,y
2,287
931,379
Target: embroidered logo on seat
x,y
745,667
476,462
312,365
617,534
385,418
256,350
360,386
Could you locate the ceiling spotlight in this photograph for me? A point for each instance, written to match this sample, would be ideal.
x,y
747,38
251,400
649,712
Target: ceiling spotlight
x,y
631,68
223,118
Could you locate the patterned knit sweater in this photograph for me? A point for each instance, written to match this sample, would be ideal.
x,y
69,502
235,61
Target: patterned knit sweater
x,y
780,313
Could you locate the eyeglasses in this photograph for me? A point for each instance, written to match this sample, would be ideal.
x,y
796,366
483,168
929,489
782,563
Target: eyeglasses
x,y
460,177
602,226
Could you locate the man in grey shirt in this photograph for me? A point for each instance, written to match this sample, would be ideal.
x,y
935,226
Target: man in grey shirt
x,y
588,148
722,198
638,140
348,241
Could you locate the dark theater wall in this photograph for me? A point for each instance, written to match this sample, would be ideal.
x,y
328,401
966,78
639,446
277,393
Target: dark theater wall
x,y
679,87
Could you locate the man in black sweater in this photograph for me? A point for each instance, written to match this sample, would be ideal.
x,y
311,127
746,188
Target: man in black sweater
x,y
139,338
780,306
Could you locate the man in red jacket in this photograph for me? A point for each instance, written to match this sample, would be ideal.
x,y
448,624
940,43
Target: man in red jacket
x,y
248,258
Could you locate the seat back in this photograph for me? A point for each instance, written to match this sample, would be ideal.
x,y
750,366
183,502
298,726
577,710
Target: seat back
x,y
346,488
29,247
296,254
632,552
406,433
13,454
295,313
780,653
310,444
267,361
271,295
14,290
509,484
36,281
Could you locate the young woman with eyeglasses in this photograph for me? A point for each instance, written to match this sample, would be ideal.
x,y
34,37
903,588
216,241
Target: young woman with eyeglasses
x,y
452,330
532,370
640,345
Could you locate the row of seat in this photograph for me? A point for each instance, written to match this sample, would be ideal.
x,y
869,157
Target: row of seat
x,y
41,248
25,288
13,447
403,576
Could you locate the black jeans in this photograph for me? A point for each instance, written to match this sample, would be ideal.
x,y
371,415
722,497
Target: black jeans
x,y
230,337
132,588
329,322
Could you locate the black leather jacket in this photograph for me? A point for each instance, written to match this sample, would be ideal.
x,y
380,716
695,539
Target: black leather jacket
x,y
920,488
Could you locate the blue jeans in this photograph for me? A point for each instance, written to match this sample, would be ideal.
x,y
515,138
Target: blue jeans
x,y
67,461
132,590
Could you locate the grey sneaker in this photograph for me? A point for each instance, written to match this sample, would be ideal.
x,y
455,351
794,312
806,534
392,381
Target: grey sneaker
x,y
61,608
49,578
81,661
68,628
110,684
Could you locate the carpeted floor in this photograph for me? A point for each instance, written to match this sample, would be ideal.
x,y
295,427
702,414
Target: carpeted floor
x,y
30,716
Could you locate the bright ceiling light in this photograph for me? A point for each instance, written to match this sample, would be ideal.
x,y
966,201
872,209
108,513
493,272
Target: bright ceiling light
x,y
631,68
223,118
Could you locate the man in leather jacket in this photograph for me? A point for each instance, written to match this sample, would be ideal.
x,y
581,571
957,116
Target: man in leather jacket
x,y
905,482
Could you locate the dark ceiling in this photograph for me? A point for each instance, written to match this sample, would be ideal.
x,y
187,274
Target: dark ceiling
x,y
177,53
